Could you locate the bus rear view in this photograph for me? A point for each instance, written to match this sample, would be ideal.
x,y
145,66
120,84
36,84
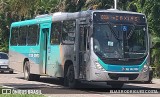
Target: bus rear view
x,y
119,47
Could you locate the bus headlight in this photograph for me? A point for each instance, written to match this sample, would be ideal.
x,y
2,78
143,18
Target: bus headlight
x,y
145,68
98,66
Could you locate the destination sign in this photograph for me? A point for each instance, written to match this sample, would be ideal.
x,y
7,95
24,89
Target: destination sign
x,y
103,17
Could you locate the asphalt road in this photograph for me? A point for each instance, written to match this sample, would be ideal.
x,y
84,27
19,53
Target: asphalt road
x,y
54,87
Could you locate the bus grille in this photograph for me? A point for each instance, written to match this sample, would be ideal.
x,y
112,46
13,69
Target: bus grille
x,y
115,76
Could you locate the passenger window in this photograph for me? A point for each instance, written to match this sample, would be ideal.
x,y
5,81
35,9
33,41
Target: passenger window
x,y
33,35
22,35
68,32
14,36
56,33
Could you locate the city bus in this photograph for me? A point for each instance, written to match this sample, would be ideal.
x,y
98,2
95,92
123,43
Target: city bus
x,y
109,46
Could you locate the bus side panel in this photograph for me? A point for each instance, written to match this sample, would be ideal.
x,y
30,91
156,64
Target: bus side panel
x,y
17,54
16,60
59,54
53,62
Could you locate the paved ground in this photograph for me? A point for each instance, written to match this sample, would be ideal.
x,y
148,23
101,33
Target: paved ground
x,y
54,88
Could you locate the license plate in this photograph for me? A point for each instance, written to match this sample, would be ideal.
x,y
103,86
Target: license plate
x,y
123,78
3,66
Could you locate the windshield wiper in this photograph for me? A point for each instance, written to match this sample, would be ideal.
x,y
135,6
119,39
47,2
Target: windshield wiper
x,y
113,32
131,32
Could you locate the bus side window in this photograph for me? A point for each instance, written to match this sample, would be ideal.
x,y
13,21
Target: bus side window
x,y
33,35
22,35
56,33
14,36
86,37
68,32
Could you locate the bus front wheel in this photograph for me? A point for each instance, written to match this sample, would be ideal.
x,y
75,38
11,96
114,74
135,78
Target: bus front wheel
x,y
27,75
115,84
70,76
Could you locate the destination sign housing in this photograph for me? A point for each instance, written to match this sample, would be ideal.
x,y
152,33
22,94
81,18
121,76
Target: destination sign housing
x,y
119,18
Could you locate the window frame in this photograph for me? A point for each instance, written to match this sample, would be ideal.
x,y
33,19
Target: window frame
x,y
74,32
16,43
30,31
21,34
60,33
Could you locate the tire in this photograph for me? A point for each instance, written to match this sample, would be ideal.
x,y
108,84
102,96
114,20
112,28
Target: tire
x,y
35,77
27,75
116,85
11,72
2,71
70,77
149,80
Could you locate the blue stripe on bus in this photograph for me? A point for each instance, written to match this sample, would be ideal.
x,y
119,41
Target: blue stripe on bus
x,y
122,68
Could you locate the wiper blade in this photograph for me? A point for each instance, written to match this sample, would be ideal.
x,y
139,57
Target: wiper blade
x,y
113,32
131,32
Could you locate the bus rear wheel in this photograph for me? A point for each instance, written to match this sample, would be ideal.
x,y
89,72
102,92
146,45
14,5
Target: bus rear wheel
x,y
27,75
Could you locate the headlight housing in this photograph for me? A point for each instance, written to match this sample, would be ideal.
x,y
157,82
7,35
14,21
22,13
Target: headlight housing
x,y
145,68
98,66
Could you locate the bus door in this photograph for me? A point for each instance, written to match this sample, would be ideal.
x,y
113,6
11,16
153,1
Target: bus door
x,y
83,46
45,30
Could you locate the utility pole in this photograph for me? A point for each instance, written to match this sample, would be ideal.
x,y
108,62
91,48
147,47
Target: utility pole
x,y
115,4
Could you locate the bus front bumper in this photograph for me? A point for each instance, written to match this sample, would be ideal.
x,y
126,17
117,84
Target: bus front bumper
x,y
98,75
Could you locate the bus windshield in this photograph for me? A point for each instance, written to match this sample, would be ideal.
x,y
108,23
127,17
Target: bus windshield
x,y
120,41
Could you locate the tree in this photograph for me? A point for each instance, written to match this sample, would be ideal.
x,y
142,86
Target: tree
x,y
101,4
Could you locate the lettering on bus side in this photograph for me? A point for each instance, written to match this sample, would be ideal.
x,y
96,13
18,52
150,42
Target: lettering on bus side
x,y
33,55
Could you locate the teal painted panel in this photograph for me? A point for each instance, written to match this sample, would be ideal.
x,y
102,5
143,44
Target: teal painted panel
x,y
54,60
33,21
25,49
54,53
118,68
31,52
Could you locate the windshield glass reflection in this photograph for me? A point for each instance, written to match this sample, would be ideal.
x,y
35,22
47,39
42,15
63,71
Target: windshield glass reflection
x,y
119,41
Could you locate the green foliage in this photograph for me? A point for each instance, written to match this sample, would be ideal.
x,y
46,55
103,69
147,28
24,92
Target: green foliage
x,y
101,4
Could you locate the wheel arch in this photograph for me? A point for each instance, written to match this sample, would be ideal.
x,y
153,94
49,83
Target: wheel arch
x,y
66,65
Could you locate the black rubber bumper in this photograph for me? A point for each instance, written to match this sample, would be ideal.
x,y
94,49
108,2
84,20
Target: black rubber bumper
x,y
6,70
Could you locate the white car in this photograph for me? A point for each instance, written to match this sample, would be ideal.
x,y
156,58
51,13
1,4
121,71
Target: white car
x,y
4,66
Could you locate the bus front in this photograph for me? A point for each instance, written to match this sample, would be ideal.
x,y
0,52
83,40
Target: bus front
x,y
119,47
